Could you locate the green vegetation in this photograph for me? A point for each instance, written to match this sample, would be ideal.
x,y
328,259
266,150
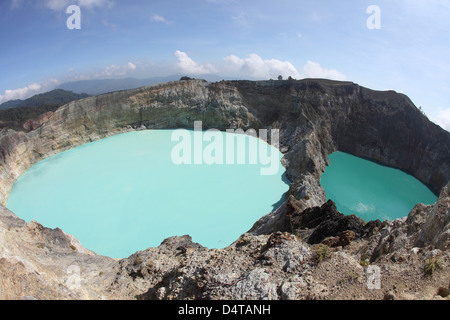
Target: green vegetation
x,y
431,265
138,261
364,261
13,113
322,252
22,114
52,98
351,277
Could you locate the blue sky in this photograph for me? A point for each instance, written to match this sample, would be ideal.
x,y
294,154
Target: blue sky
x,y
248,39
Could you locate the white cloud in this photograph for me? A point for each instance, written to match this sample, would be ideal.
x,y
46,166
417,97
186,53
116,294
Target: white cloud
x,y
442,118
249,67
95,3
187,65
108,72
15,4
20,93
58,5
112,71
256,67
158,18
315,70
241,19
28,91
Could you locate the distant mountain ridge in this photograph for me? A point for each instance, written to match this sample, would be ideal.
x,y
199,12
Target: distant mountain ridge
x,y
101,86
96,87
54,98
15,113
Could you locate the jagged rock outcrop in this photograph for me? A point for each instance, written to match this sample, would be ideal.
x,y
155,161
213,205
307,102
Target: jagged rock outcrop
x,y
48,264
327,221
436,228
315,118
425,226
313,224
41,263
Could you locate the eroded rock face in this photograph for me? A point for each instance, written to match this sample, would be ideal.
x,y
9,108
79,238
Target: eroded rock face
x,y
315,118
45,263
315,224
436,228
33,124
426,226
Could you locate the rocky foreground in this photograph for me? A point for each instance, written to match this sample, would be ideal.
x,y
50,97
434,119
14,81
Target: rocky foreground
x,y
305,249
400,260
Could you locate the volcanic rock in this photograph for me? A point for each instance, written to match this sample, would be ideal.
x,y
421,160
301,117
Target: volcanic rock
x,y
315,117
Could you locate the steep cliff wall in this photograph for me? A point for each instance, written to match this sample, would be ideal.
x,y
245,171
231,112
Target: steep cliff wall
x,y
326,116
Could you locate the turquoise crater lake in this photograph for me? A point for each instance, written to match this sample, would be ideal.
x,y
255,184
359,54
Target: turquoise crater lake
x,y
124,193
372,191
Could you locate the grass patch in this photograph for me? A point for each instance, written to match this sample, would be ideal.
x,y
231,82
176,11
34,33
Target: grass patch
x,y
431,265
322,252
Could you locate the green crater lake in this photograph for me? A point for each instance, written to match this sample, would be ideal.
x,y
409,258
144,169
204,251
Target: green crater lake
x,y
372,191
124,194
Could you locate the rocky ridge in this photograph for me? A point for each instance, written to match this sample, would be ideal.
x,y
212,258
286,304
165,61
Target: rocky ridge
x,y
277,258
